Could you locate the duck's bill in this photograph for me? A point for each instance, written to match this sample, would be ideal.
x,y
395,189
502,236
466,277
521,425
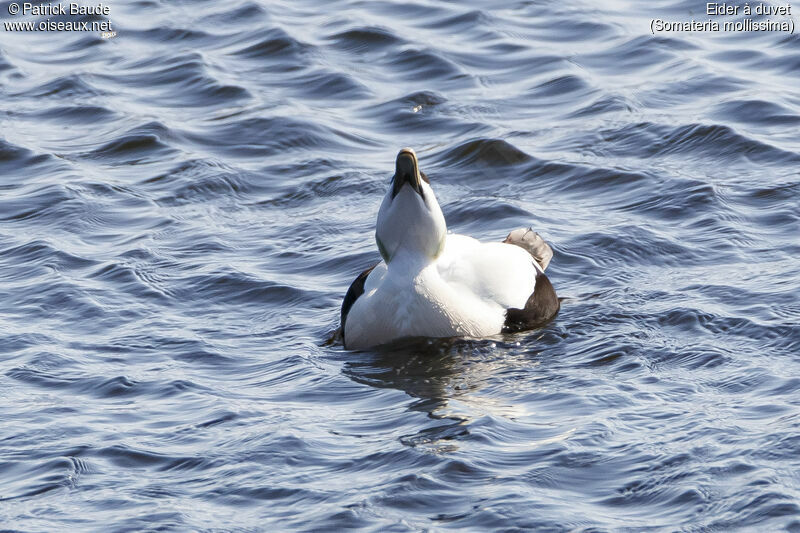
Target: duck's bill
x,y
406,172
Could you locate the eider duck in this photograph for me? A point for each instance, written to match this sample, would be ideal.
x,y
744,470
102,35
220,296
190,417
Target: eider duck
x,y
437,284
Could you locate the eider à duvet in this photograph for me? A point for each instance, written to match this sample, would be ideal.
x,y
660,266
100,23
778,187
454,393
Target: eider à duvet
x,y
434,284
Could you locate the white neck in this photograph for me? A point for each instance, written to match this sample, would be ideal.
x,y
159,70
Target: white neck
x,y
410,225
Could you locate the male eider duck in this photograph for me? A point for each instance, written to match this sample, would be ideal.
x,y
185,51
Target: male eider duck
x,y
434,284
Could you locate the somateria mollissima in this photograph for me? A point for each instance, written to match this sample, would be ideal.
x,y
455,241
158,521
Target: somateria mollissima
x,y
434,284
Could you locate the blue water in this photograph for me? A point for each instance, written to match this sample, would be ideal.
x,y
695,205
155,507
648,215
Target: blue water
x,y
183,206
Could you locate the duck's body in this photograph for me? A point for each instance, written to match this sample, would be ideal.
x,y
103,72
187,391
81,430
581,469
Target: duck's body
x,y
434,284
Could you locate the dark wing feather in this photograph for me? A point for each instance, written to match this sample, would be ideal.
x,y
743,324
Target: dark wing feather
x,y
541,307
356,289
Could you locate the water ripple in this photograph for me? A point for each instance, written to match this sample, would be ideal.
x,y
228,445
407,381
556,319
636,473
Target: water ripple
x,y
183,206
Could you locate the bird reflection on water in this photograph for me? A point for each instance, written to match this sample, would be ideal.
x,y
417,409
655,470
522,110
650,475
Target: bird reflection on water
x,y
446,378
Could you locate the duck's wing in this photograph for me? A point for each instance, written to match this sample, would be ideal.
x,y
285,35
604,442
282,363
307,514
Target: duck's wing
x,y
541,307
543,304
491,271
365,282
510,276
356,289
531,242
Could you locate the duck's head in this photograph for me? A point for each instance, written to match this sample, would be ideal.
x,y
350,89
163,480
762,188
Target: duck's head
x,y
410,221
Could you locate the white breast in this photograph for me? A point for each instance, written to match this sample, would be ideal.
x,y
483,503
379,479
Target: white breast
x,y
465,292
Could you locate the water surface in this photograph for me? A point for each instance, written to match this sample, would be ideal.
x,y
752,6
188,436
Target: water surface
x,y
183,206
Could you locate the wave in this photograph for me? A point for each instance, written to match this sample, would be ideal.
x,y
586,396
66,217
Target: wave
x,y
185,204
